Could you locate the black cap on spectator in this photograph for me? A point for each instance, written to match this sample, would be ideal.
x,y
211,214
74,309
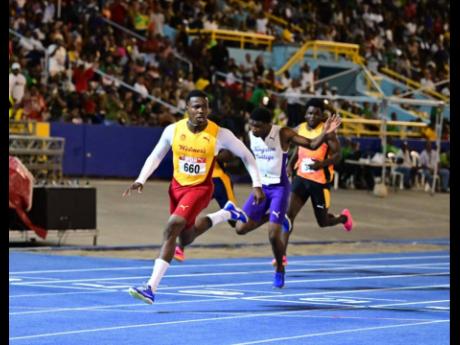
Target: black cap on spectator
x,y
262,115
195,93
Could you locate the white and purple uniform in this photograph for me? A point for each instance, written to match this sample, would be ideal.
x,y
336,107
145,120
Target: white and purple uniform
x,y
271,163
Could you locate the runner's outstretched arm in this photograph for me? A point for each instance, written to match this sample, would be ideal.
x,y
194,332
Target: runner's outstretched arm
x,y
289,136
153,160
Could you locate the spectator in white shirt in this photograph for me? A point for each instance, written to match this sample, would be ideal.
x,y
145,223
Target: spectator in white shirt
x,y
428,160
32,43
17,83
261,24
57,57
307,79
404,161
334,102
286,80
427,81
49,11
140,87
210,23
157,19
247,66
230,78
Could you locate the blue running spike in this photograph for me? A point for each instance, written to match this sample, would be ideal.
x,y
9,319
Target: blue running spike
x,y
278,281
144,293
235,212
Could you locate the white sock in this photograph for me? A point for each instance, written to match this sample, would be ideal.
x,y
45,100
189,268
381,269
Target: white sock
x,y
219,216
158,272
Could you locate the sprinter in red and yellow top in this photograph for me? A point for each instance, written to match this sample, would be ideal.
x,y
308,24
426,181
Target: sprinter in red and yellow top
x,y
195,142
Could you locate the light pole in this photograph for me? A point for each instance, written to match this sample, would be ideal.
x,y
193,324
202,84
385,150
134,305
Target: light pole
x,y
439,122
380,189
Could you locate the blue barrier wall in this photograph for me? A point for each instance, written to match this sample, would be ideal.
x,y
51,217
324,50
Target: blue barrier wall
x,y
74,147
109,151
118,151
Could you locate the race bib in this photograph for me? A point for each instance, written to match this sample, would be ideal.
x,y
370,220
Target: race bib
x,y
192,165
305,165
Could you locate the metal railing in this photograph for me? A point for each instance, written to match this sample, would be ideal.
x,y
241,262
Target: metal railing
x,y
22,127
357,127
372,82
413,84
338,49
235,36
282,22
42,156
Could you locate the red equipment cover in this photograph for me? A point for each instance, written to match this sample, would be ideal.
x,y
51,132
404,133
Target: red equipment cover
x,y
21,184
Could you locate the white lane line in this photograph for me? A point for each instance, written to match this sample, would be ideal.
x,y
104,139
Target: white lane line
x,y
214,274
74,270
96,291
354,330
57,294
56,310
101,286
410,303
156,324
371,299
249,291
416,287
179,266
22,278
340,306
68,287
106,329
299,281
98,307
365,317
213,298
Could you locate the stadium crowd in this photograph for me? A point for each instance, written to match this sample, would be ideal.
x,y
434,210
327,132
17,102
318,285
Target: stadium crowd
x,y
62,71
67,86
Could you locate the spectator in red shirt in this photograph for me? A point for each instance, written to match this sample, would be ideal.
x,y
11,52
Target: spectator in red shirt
x,y
118,12
81,77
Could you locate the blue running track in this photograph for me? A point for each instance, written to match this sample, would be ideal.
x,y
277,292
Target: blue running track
x,y
373,299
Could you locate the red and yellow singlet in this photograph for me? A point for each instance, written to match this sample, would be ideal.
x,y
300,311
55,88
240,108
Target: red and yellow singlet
x,y
193,153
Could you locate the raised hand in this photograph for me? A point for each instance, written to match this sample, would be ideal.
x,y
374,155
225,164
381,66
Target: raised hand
x,y
332,123
135,186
